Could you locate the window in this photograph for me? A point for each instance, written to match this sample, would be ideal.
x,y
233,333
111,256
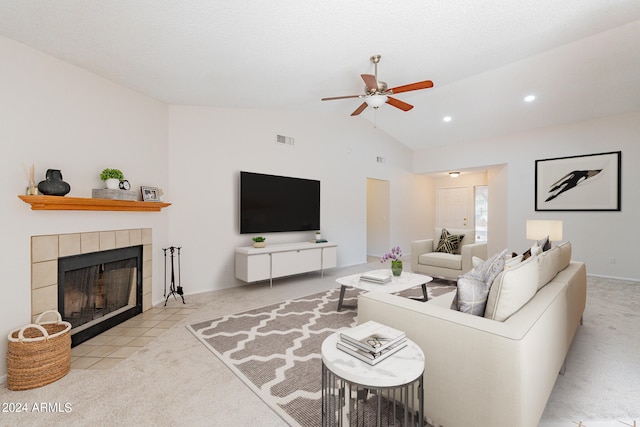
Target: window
x,y
481,212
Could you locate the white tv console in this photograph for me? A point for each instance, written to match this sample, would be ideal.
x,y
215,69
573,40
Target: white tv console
x,y
272,261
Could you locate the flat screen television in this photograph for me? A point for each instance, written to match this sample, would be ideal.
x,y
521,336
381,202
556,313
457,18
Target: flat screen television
x,y
271,203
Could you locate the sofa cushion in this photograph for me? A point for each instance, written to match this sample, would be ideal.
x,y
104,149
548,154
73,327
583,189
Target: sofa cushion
x,y
448,242
473,287
512,289
565,254
548,266
441,259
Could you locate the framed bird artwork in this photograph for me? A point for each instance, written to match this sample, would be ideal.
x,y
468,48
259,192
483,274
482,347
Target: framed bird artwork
x,y
579,183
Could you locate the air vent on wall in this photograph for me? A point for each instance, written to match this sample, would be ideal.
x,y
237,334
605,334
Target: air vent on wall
x,y
380,159
286,140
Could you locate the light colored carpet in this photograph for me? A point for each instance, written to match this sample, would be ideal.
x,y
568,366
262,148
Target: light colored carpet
x,y
175,381
602,381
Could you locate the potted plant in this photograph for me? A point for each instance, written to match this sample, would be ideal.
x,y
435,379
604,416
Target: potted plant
x,y
318,235
259,242
112,178
396,261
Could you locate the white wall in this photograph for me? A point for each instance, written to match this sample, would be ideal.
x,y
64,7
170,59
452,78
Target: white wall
x,y
497,181
210,146
595,236
378,218
58,116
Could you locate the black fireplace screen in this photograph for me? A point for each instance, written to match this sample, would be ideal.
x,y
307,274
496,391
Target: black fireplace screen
x,y
95,291
99,290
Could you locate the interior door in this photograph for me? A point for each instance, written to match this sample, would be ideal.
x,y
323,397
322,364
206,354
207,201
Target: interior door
x,y
452,208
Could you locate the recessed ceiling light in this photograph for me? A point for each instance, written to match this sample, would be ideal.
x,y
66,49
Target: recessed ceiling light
x,y
447,119
529,98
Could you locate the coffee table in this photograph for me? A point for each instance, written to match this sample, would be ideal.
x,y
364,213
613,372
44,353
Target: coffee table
x,y
397,284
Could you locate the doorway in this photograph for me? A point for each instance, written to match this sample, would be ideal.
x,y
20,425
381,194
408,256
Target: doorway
x,y
452,207
378,222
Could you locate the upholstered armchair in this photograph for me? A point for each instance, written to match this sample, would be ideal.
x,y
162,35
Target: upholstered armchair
x,y
438,259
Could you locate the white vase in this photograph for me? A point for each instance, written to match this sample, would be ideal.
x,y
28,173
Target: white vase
x,y
112,183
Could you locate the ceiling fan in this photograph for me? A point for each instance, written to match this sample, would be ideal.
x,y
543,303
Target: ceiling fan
x,y
377,94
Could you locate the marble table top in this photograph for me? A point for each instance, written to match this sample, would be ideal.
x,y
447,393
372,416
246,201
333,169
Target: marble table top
x,y
397,284
402,367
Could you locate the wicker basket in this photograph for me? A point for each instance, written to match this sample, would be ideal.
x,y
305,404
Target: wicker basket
x,y
39,353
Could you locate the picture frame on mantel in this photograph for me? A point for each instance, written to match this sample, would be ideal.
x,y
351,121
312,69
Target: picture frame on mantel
x,y
589,182
150,194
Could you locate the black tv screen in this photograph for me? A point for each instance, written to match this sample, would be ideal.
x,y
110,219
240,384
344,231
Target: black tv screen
x,y
270,203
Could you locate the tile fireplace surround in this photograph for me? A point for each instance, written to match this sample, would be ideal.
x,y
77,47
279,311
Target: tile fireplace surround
x,y
45,251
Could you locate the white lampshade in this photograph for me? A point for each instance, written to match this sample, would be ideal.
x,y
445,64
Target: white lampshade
x,y
539,229
376,101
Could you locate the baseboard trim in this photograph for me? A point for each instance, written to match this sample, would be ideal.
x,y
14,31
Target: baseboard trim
x,y
602,276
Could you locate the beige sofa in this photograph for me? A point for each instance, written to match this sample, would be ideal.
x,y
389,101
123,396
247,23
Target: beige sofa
x,y
483,372
425,259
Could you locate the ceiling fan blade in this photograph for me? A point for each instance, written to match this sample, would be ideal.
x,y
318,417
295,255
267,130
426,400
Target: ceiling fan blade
x,y
370,81
341,97
399,104
360,109
413,86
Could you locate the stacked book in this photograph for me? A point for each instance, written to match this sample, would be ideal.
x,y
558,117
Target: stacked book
x,y
377,277
371,341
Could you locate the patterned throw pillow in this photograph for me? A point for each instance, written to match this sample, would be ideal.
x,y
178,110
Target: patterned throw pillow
x,y
545,244
474,286
449,242
472,295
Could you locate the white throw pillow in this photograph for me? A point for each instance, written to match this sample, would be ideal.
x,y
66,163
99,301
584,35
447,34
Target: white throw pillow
x,y
535,250
512,289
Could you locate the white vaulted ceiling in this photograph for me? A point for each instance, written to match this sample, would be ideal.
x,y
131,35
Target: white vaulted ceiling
x,y
581,58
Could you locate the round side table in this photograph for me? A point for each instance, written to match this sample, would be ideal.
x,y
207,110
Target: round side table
x,y
357,393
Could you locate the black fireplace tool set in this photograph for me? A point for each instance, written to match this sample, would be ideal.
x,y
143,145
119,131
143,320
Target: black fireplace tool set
x,y
173,289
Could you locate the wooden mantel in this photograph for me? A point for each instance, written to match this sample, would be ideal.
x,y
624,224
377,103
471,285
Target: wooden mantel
x,y
61,203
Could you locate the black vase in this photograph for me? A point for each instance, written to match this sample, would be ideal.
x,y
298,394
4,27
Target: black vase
x,y
53,185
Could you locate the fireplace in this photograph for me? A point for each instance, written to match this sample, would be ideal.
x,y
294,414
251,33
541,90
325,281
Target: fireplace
x,y
47,250
99,290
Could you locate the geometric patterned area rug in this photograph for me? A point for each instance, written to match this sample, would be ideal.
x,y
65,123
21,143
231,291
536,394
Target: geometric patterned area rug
x,y
275,350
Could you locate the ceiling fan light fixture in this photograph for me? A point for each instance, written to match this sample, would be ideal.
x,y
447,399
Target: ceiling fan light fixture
x,y
454,174
376,92
376,101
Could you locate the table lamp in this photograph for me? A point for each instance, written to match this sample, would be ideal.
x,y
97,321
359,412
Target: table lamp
x,y
539,229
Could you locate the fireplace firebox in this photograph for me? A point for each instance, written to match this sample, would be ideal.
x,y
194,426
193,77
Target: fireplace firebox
x,y
99,290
